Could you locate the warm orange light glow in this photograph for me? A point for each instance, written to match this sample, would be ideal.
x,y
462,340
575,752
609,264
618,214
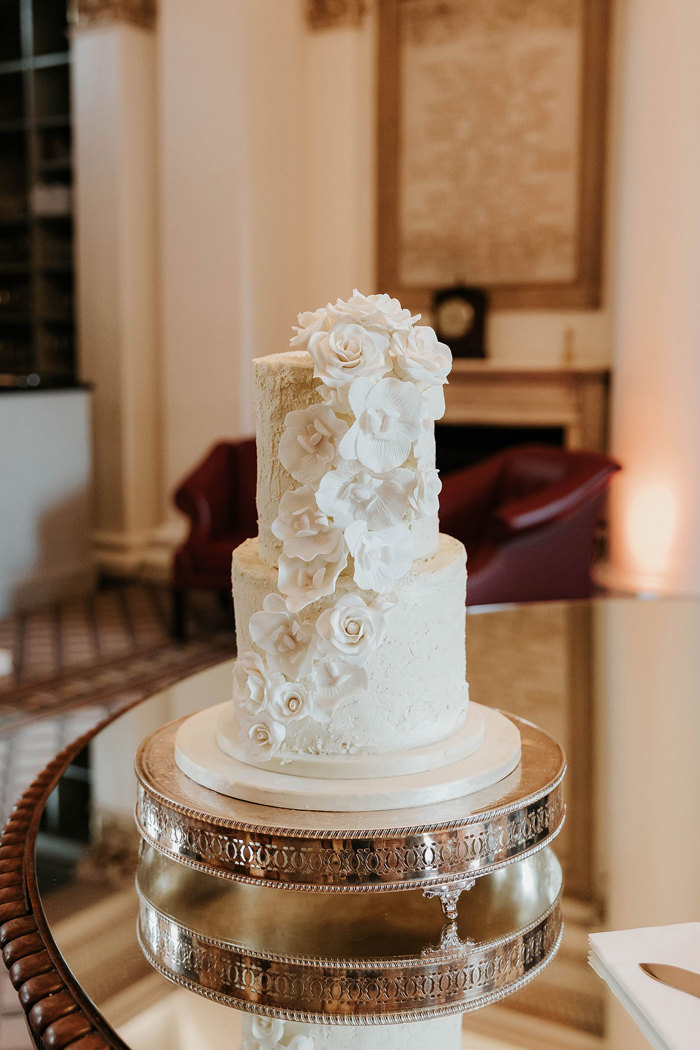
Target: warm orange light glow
x,y
652,514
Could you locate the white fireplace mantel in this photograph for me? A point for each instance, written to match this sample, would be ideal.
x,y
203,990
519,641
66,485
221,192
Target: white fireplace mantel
x,y
489,394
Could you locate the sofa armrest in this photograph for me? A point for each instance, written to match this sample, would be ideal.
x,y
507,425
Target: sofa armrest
x,y
557,501
469,490
194,504
199,496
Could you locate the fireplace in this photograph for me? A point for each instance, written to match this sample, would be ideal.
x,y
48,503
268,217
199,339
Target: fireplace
x,y
491,406
460,445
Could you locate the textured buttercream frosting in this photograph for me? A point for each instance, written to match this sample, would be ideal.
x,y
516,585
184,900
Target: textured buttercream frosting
x,y
416,690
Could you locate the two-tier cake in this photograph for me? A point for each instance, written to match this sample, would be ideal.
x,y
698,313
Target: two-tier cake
x,y
350,684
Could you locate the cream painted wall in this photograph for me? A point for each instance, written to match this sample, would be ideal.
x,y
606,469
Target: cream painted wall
x,y
45,489
339,158
231,220
655,541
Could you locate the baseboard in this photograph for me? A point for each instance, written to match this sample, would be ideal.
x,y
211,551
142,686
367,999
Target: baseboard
x,y
51,584
137,555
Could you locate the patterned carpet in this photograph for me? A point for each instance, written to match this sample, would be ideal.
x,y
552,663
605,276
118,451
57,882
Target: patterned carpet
x,y
73,665
76,663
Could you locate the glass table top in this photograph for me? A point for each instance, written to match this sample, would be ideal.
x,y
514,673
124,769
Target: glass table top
x,y
616,681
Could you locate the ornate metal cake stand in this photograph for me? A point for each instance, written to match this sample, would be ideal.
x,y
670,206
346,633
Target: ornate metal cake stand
x,y
372,960
441,849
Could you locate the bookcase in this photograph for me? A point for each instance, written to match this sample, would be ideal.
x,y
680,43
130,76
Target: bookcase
x,y
37,322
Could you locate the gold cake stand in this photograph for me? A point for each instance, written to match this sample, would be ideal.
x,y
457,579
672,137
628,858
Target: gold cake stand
x,y
373,960
440,848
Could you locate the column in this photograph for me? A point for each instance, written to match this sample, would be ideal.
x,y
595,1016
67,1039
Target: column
x,y
655,502
114,114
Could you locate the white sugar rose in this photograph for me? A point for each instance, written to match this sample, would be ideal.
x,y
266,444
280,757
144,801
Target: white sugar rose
x,y
310,322
336,398
425,492
348,351
304,581
263,739
419,356
350,629
308,445
303,528
301,1042
289,700
268,1031
387,422
381,558
252,682
351,492
280,634
379,312
333,681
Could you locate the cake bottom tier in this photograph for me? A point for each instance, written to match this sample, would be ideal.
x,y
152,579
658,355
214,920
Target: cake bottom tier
x,y
200,757
417,692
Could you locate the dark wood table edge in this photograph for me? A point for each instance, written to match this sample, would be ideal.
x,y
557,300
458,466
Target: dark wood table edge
x,y
59,1015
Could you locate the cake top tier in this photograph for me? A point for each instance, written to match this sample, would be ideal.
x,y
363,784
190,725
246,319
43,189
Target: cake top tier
x,y
346,425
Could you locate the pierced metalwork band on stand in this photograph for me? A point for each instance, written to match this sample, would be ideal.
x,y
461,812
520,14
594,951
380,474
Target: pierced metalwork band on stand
x,y
303,958
390,850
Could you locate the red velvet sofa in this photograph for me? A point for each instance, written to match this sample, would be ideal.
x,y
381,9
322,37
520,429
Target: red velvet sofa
x,y
527,517
219,499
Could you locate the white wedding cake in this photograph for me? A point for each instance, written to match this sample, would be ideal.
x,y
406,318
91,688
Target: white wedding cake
x,y
350,608
349,604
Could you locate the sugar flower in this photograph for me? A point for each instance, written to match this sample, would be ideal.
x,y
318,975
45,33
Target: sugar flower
x,y
433,402
387,422
308,445
380,558
424,448
310,321
419,356
333,681
302,526
336,398
252,682
301,1042
280,634
424,494
350,629
348,351
352,492
267,1030
304,581
263,739
379,312
289,700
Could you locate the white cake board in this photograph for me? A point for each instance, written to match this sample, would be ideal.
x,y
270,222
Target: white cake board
x,y
465,740
198,756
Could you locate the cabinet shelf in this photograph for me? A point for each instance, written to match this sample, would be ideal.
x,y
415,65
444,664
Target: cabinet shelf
x,y
14,319
37,327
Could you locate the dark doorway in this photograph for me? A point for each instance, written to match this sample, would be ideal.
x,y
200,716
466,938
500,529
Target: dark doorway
x,y
461,445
